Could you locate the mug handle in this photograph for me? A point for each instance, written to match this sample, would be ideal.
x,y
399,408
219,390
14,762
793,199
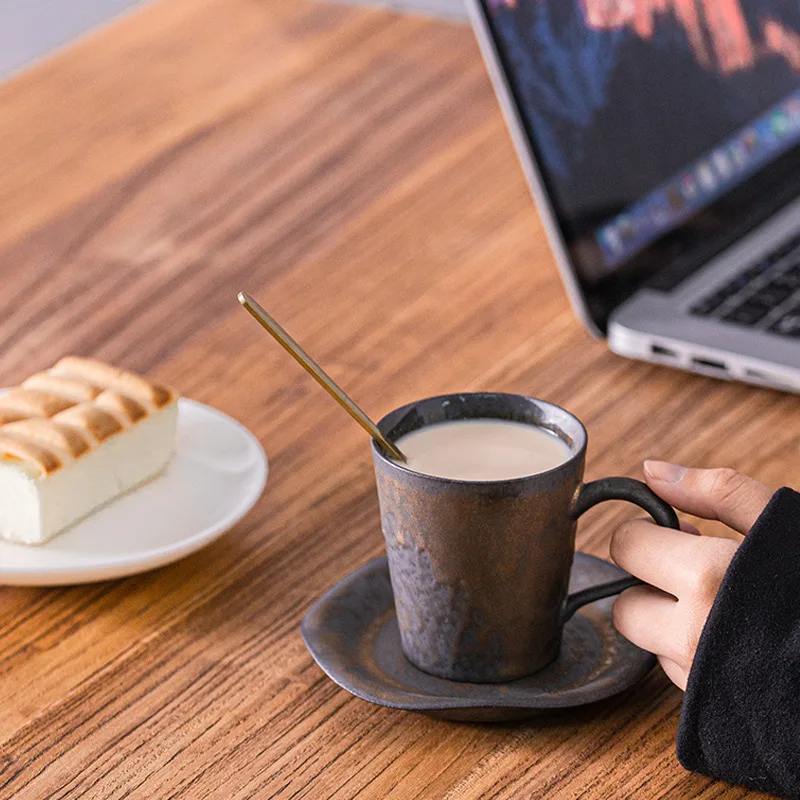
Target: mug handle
x,y
636,492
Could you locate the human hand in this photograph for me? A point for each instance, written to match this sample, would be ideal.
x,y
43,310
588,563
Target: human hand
x,y
682,569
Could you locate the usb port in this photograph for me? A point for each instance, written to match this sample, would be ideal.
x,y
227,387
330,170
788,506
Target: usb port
x,y
708,363
660,350
759,376
772,380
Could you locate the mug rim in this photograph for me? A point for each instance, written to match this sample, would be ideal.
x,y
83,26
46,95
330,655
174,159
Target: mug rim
x,y
579,452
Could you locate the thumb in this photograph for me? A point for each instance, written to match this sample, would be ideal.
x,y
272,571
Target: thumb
x,y
722,494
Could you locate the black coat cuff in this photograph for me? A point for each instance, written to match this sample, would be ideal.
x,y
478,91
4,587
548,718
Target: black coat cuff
x,y
741,712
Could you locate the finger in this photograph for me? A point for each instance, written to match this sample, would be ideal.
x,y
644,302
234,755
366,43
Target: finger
x,y
687,527
721,494
647,617
662,557
674,671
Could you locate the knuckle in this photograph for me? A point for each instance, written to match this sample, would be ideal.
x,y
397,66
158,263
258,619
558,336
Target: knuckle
x,y
703,582
726,485
687,646
692,631
707,585
721,556
706,578
620,612
621,541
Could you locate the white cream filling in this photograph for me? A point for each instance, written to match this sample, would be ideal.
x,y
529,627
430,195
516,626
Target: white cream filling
x,y
35,509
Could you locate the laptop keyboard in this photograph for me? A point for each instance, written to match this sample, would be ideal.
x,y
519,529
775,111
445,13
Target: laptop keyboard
x,y
765,296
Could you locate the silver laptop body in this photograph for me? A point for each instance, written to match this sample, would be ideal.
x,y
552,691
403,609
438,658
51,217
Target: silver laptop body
x,y
751,265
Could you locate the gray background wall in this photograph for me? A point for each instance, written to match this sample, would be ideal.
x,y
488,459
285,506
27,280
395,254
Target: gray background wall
x,y
30,29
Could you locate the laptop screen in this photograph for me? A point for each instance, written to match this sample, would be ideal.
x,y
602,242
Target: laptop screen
x,y
643,114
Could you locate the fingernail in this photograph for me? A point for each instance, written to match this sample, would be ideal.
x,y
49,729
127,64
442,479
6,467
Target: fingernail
x,y
664,471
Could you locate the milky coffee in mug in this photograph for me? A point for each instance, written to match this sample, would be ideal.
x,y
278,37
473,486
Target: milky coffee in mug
x,y
483,450
480,554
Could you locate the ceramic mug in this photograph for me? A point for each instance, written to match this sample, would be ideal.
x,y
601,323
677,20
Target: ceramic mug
x,y
480,569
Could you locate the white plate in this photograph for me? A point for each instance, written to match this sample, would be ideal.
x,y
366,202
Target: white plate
x,y
218,473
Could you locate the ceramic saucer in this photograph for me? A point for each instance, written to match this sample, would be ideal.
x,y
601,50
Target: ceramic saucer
x,y
216,476
352,633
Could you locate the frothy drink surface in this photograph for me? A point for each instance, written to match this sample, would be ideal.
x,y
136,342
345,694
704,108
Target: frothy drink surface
x,y
483,450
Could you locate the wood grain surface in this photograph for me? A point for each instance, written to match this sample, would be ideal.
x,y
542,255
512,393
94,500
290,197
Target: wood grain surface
x,y
350,168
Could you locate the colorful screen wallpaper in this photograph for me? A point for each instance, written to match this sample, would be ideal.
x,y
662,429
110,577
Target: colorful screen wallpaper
x,y
622,94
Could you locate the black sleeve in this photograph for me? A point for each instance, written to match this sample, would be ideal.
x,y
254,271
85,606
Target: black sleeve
x,y
741,712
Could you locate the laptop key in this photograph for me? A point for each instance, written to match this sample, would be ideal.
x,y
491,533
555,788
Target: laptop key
x,y
777,289
771,295
738,283
758,269
788,325
748,313
785,249
790,278
708,305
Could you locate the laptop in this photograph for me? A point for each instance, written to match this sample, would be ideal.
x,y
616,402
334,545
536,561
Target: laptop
x,y
661,142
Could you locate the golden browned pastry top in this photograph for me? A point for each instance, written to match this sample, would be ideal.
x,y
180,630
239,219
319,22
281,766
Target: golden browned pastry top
x,y
62,414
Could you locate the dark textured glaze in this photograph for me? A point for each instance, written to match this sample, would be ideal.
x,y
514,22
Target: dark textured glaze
x,y
352,633
480,569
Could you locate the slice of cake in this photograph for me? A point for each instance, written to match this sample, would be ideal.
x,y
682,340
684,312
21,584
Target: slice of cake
x,y
74,438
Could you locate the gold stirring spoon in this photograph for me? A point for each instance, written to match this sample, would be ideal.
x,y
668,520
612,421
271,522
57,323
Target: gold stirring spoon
x,y
316,372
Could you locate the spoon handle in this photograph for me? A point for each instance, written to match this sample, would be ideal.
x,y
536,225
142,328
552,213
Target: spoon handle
x,y
316,372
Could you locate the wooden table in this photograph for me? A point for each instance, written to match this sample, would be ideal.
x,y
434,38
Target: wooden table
x,y
351,169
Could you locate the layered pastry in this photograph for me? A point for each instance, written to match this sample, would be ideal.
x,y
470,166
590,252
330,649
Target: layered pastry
x,y
74,438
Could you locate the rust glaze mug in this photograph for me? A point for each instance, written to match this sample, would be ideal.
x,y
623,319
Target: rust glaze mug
x,y
480,569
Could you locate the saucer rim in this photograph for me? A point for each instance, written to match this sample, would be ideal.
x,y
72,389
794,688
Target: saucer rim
x,y
543,701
